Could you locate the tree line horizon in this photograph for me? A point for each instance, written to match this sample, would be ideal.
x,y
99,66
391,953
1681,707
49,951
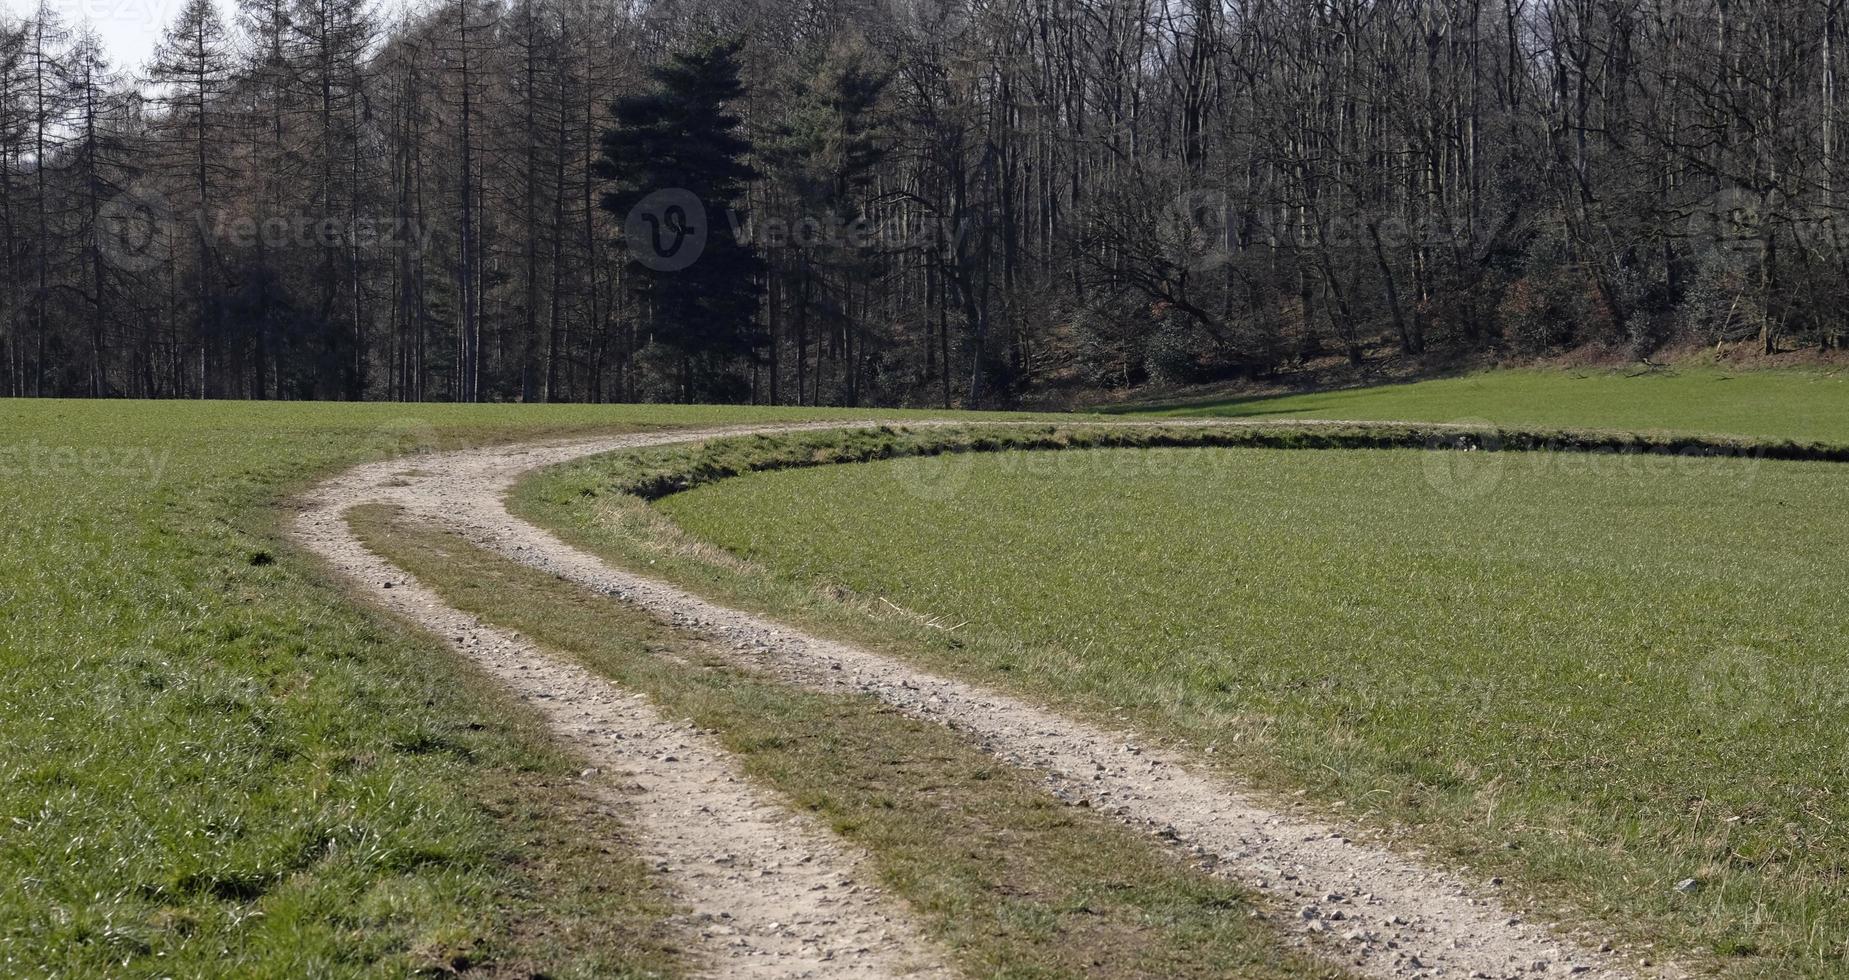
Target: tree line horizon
x,y
903,202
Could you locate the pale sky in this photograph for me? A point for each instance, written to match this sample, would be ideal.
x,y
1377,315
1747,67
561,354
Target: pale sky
x,y
130,28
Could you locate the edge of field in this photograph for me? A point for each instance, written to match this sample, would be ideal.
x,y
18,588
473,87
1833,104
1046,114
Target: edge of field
x,y
602,506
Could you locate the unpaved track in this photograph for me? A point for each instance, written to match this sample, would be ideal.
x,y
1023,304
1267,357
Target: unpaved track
x,y
1378,912
770,893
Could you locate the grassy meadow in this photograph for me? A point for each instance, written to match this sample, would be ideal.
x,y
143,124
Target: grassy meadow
x,y
1600,675
1796,404
1012,882
1603,676
213,763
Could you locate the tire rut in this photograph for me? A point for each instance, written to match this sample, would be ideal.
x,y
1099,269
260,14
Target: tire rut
x,y
769,893
1374,911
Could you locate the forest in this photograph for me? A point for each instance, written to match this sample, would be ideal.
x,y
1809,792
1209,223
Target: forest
x,y
903,202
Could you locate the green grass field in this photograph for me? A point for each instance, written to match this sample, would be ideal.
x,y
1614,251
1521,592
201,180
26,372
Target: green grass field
x,y
1803,405
1598,675
1011,881
212,763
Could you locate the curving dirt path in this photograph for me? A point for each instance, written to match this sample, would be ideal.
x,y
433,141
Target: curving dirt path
x,y
770,893
1377,912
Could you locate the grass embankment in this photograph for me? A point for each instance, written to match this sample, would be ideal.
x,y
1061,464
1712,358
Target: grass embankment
x,y
1787,404
212,763
655,472
1599,675
1015,883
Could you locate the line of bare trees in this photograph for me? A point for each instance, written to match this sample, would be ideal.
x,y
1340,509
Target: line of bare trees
x,y
951,201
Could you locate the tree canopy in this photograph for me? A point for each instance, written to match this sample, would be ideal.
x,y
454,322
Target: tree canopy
x,y
905,201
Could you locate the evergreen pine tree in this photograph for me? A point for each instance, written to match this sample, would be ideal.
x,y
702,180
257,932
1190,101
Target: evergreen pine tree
x,y
679,164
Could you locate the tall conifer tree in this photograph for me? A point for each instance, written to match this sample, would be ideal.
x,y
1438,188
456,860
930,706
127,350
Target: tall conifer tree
x,y
680,164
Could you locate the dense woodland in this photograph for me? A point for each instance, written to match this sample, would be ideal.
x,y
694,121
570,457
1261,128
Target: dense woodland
x,y
905,201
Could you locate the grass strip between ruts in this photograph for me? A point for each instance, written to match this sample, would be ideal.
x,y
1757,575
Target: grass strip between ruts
x,y
1014,882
